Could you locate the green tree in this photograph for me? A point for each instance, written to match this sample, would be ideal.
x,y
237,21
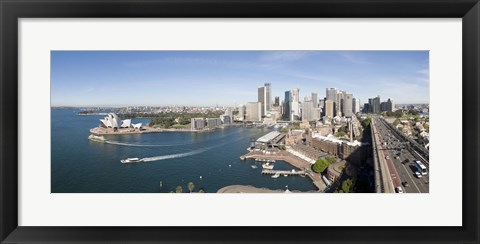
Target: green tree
x,y
366,122
348,185
191,186
282,147
284,130
320,165
179,189
201,191
340,134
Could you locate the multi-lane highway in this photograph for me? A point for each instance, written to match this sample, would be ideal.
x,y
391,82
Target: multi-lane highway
x,y
400,159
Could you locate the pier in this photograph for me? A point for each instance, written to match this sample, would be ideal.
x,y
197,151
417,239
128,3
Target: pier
x,y
283,172
294,161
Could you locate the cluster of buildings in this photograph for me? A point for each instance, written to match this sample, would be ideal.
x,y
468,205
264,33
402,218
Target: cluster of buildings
x,y
336,103
375,106
202,123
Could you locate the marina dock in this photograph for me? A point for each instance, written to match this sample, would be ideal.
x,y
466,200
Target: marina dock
x,y
283,172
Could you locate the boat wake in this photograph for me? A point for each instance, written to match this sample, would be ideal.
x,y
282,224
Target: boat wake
x,y
178,155
145,145
191,153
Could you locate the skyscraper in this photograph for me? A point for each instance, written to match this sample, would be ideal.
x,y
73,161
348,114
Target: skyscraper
x,y
254,111
307,111
329,108
332,96
265,98
374,105
241,113
286,104
315,99
355,105
277,101
295,105
347,105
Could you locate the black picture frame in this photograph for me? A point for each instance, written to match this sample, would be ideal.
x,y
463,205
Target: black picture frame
x,y
11,11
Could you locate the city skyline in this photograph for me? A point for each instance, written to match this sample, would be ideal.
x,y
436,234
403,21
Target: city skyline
x,y
209,78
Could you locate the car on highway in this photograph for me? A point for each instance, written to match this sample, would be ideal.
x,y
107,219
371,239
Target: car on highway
x,y
387,157
405,184
418,175
398,189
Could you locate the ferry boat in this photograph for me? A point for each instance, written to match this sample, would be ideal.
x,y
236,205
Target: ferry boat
x,y
131,160
267,166
97,138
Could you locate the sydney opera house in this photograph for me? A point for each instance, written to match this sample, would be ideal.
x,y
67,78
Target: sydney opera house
x,y
113,121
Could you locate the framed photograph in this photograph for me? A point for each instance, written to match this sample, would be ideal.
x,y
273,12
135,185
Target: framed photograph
x,y
261,122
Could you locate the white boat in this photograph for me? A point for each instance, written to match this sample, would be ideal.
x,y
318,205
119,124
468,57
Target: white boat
x,y
267,166
285,175
254,166
131,160
276,175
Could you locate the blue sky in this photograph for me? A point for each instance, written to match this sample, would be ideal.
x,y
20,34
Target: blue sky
x,y
123,78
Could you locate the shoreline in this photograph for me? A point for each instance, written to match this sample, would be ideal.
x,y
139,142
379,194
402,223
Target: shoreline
x,y
294,161
250,189
144,130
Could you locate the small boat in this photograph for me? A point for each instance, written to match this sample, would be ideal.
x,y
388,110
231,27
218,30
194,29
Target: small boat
x,y
276,175
285,175
131,160
254,166
97,138
267,166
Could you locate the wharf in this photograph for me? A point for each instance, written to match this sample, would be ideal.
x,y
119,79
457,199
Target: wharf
x,y
294,161
283,172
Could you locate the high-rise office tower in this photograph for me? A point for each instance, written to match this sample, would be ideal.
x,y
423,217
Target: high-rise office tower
x,y
287,105
254,110
277,101
241,113
329,108
374,105
355,105
315,99
347,105
265,98
307,111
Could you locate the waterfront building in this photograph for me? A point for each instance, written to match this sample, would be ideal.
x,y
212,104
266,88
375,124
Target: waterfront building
x,y
213,122
347,105
225,119
329,108
229,113
241,113
265,98
254,110
113,121
197,123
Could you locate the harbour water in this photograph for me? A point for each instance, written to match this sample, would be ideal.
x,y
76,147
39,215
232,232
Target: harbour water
x,y
210,160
